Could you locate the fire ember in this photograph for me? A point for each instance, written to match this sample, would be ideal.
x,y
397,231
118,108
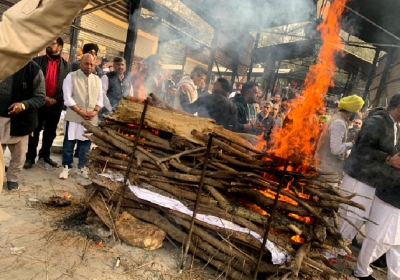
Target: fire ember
x,y
239,187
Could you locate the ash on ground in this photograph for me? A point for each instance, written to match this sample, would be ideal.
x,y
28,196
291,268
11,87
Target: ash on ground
x,y
80,221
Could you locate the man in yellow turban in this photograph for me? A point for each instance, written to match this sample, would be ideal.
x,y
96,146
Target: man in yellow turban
x,y
332,146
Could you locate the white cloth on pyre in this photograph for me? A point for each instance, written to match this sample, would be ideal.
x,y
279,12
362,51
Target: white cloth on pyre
x,y
278,254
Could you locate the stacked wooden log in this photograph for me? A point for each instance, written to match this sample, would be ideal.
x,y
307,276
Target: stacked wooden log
x,y
239,186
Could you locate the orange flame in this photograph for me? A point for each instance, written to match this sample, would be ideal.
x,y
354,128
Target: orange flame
x,y
298,137
66,196
298,239
305,219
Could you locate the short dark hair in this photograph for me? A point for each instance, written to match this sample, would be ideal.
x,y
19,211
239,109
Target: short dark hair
x,y
247,86
225,85
285,99
118,59
199,70
152,59
394,102
60,41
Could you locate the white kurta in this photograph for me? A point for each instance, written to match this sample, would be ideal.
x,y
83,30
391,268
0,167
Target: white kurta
x,y
76,130
354,186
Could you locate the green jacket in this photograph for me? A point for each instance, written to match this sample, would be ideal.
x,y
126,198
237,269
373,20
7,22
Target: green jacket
x,y
246,113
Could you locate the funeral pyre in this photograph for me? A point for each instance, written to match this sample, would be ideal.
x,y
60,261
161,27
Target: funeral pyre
x,y
173,157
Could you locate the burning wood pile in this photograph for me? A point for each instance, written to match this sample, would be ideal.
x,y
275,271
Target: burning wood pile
x,y
175,155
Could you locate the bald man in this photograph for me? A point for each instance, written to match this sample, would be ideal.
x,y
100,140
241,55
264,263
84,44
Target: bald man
x,y
83,98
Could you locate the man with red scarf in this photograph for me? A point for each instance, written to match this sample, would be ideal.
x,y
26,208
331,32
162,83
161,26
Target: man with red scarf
x,y
55,69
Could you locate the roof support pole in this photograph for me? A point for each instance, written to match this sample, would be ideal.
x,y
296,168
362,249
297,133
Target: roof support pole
x,y
234,69
214,47
389,60
253,56
371,76
184,57
276,77
131,35
73,39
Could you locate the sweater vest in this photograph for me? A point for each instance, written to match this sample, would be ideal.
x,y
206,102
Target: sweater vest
x,y
86,90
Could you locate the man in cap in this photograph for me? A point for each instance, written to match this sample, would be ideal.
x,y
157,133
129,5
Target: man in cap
x,y
332,146
374,164
93,49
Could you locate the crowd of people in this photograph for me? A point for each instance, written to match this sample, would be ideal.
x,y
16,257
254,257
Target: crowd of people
x,y
361,148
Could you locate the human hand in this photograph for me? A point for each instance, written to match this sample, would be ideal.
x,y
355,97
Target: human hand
x,y
394,161
48,102
15,108
258,126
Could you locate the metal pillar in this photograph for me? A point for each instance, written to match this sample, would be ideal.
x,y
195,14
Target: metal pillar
x,y
389,60
184,57
276,77
371,75
73,39
214,47
253,56
131,35
234,69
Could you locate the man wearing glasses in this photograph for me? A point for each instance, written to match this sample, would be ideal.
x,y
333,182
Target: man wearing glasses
x,y
55,69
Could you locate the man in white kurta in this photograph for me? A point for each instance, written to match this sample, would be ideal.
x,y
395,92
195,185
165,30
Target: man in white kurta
x,y
83,98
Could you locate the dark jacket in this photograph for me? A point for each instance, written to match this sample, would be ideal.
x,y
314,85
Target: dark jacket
x,y
269,124
27,87
63,69
244,113
367,160
216,106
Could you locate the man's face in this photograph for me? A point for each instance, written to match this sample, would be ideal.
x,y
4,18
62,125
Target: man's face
x,y
154,69
53,48
172,91
119,67
275,110
267,109
202,85
284,104
277,98
252,94
198,78
87,64
357,123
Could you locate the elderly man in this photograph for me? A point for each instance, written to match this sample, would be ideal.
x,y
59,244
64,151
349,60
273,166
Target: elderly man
x,y
374,164
332,146
93,49
115,86
84,99
187,91
55,69
21,95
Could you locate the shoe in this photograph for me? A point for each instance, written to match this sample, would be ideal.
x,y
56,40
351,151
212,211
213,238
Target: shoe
x,y
42,164
12,186
28,163
51,162
381,262
84,172
64,173
369,277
